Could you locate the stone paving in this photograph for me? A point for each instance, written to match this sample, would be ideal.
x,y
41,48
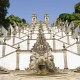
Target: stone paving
x,y
66,76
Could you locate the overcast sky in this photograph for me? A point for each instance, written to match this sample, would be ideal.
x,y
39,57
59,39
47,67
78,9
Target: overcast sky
x,y
25,8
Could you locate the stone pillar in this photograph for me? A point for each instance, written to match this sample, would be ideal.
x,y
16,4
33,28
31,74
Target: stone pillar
x,y
54,42
23,29
48,30
17,59
50,34
79,38
78,47
4,48
13,39
61,33
28,42
31,34
19,33
33,31
58,28
68,38
14,33
65,57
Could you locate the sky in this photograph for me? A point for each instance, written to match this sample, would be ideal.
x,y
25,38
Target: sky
x,y
25,8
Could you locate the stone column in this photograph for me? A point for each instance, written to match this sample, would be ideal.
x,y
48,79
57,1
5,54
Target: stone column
x,y
17,59
78,47
58,28
14,33
68,38
65,57
28,42
48,30
61,33
23,29
19,33
50,34
54,42
13,39
4,48
31,34
33,31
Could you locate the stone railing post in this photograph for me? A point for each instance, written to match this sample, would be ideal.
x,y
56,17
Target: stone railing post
x,y
19,32
17,58
14,34
68,38
61,33
54,42
28,42
4,48
65,56
31,34
50,34
78,46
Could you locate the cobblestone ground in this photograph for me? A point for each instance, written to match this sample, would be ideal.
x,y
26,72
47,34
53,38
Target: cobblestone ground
x,y
67,76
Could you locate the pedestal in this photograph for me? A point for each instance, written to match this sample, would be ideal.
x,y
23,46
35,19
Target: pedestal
x,y
78,47
28,43
65,59
68,38
17,61
13,39
62,33
3,49
53,43
19,34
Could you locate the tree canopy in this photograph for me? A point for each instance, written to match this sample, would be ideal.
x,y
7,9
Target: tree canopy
x,y
17,20
23,20
77,8
75,16
65,16
69,17
13,18
6,21
4,5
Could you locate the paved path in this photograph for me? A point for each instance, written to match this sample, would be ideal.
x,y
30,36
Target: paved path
x,y
69,76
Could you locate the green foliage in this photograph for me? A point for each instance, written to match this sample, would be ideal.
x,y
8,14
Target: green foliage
x,y
6,23
23,20
75,16
4,5
77,8
25,23
13,18
65,16
76,23
69,17
16,19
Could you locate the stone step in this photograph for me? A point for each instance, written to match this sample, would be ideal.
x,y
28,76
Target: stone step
x,y
3,70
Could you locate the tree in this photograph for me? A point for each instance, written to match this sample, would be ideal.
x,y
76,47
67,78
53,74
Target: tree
x,y
65,16
4,5
13,19
23,20
77,8
75,16
17,20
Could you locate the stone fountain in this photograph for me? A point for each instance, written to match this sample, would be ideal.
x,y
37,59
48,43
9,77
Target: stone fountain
x,y
42,60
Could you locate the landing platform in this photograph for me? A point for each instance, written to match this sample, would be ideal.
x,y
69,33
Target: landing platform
x,y
23,75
